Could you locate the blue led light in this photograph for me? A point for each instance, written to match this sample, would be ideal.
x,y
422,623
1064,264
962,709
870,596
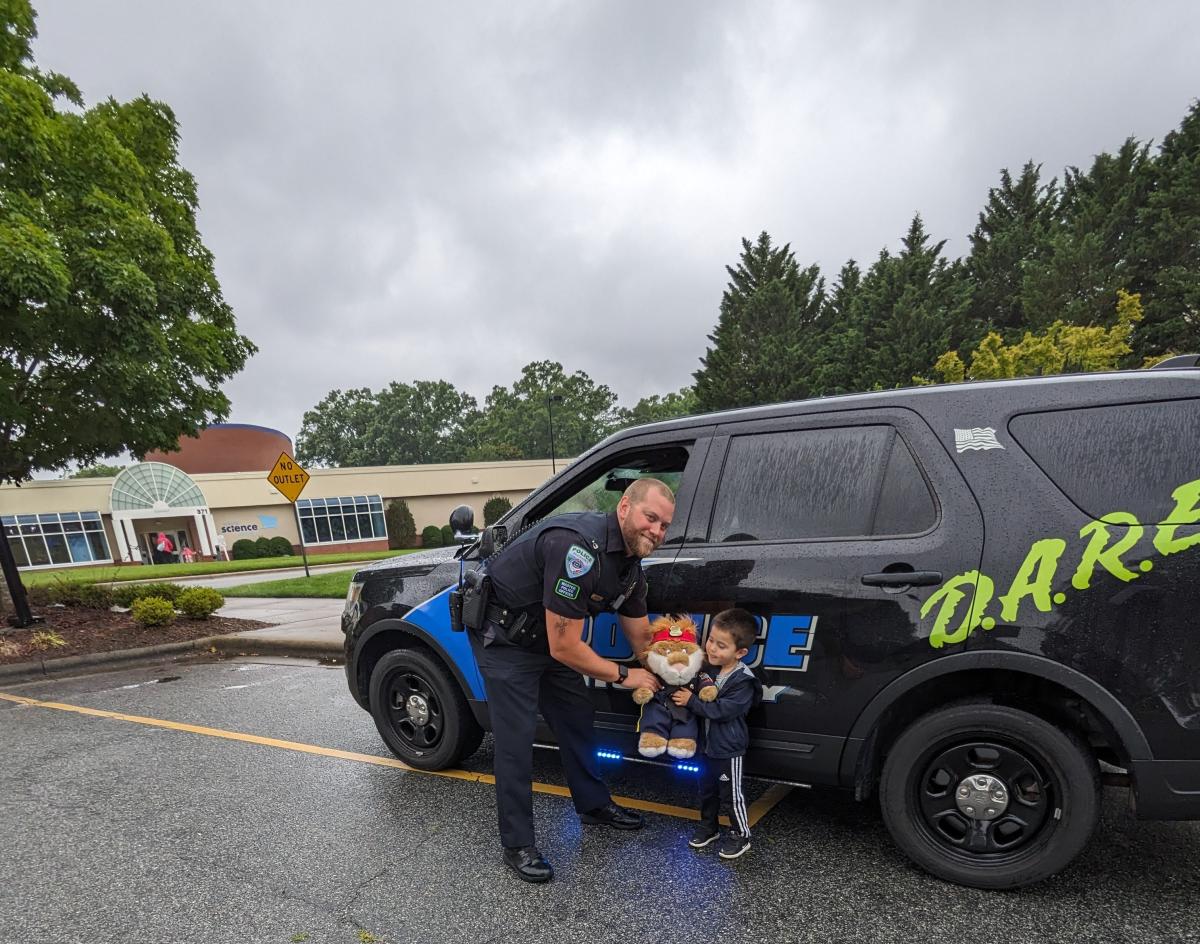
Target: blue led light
x,y
686,768
608,755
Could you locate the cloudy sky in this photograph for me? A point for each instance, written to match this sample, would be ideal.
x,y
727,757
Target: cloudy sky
x,y
420,191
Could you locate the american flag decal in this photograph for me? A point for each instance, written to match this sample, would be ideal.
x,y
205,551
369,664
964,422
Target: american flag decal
x,y
976,438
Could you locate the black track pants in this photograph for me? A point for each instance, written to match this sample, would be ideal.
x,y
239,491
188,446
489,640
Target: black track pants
x,y
721,786
519,683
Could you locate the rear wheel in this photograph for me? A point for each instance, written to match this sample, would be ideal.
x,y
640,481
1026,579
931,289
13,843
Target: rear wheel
x,y
420,710
989,796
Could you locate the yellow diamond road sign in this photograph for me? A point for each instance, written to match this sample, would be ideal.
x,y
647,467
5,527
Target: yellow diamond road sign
x,y
287,477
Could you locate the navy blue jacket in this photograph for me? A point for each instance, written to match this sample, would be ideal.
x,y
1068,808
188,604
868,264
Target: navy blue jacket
x,y
726,733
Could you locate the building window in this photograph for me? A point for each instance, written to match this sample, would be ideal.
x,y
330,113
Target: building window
x,y
54,540
338,520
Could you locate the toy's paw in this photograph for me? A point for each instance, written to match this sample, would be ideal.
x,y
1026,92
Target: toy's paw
x,y
651,745
642,695
708,693
681,747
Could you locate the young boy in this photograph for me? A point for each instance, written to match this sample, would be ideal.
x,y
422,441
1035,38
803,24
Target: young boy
x,y
726,735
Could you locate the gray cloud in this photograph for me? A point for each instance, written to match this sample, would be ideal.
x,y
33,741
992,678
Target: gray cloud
x,y
395,192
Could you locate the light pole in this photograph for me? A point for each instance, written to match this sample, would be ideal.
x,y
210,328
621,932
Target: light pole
x,y
556,398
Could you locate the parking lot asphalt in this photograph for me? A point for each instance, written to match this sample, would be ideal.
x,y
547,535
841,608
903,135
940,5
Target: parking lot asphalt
x,y
209,805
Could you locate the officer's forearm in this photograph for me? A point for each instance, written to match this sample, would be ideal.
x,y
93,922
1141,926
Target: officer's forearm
x,y
567,646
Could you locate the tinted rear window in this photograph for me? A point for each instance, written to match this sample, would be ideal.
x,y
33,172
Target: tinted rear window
x,y
1127,457
820,483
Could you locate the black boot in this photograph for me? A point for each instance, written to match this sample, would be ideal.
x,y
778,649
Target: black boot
x,y
528,863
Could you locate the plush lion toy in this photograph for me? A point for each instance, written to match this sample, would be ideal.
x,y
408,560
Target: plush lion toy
x,y
675,657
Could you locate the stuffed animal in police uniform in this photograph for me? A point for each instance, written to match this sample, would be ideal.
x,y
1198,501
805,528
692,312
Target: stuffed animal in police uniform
x,y
675,657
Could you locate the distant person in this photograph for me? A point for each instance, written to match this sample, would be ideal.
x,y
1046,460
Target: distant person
x,y
164,549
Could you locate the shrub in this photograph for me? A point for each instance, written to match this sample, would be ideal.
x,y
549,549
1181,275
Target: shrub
x,y
200,602
96,596
263,547
126,595
41,594
494,509
448,536
431,536
152,611
401,529
243,549
280,547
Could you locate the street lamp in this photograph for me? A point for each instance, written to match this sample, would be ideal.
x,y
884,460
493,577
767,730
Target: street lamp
x,y
556,398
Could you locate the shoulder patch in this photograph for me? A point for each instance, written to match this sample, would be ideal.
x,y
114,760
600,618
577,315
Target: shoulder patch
x,y
564,588
578,562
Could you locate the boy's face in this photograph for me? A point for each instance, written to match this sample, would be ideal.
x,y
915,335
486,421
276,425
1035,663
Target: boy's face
x,y
720,648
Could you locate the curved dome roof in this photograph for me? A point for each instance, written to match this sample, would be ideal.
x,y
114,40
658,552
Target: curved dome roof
x,y
154,486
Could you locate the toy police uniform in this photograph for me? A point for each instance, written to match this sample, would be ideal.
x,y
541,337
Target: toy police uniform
x,y
574,565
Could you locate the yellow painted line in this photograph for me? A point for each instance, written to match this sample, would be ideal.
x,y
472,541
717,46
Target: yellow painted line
x,y
758,809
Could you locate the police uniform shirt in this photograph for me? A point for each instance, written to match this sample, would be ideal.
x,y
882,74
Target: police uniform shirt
x,y
567,579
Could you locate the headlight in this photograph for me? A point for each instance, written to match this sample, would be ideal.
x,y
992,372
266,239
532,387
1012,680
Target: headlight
x,y
352,593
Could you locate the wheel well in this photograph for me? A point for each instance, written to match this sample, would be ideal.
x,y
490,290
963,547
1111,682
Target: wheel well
x,y
1048,700
380,645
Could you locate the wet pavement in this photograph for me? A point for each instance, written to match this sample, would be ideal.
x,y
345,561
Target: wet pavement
x,y
237,823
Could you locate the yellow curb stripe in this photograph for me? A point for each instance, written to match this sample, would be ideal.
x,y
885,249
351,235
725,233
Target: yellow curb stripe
x,y
758,809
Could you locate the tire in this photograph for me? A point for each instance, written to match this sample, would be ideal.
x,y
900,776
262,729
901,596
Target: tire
x,y
1050,788
420,710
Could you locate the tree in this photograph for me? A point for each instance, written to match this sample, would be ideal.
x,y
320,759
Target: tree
x,y
765,330
655,409
334,432
494,509
97,471
401,529
1013,233
1062,347
515,423
840,347
114,336
1168,246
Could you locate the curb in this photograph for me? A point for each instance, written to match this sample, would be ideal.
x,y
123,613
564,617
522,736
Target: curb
x,y
230,645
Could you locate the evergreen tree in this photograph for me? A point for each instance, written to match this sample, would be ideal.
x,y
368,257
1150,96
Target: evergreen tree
x,y
764,335
1168,246
1090,253
840,345
1012,234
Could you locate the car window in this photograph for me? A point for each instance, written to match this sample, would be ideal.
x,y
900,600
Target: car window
x,y
1125,457
849,481
602,488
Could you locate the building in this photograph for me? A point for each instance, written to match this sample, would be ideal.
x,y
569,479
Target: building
x,y
215,491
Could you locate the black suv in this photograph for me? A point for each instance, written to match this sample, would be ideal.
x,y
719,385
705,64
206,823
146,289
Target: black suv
x,y
969,597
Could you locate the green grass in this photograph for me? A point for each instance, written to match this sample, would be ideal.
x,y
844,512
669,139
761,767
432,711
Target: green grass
x,y
332,585
119,572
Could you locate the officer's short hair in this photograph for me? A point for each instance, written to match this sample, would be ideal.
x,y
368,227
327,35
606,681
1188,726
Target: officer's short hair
x,y
741,626
638,490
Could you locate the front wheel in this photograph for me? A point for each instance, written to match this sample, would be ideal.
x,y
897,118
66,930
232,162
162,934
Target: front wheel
x,y
989,796
420,711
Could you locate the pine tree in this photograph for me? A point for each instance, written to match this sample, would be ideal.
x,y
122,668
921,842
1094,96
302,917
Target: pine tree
x,y
765,332
1168,246
1012,234
841,345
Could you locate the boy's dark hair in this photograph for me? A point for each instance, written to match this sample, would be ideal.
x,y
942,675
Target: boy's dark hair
x,y
740,625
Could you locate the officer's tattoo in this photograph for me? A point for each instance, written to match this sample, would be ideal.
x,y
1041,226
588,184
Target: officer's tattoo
x,y
561,623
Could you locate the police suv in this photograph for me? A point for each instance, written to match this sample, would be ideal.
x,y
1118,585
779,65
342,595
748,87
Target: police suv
x,y
969,596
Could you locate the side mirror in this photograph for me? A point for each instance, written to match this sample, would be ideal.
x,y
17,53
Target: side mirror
x,y
462,521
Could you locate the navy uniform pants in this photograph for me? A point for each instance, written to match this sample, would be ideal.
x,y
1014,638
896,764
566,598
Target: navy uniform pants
x,y
520,682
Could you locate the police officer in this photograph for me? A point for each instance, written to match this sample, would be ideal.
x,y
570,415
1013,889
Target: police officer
x,y
530,650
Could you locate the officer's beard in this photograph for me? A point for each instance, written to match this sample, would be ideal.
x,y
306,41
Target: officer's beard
x,y
638,543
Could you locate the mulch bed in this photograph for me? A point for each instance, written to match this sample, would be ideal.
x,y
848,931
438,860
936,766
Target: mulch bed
x,y
86,631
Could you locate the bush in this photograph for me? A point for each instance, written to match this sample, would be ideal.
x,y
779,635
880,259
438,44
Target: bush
x,y
128,594
494,509
200,602
97,596
41,594
448,536
243,549
263,547
431,536
280,547
401,529
152,611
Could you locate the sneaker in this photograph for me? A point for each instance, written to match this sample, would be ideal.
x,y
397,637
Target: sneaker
x,y
733,846
703,836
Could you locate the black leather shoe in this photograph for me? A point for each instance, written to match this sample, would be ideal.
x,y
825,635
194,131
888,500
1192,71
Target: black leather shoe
x,y
528,863
615,816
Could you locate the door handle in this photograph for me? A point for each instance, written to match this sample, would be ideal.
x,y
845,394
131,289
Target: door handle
x,y
903,578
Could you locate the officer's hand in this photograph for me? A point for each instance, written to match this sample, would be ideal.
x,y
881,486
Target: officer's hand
x,y
641,678
681,697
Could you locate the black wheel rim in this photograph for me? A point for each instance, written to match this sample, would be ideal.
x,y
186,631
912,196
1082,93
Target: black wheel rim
x,y
415,711
1029,813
